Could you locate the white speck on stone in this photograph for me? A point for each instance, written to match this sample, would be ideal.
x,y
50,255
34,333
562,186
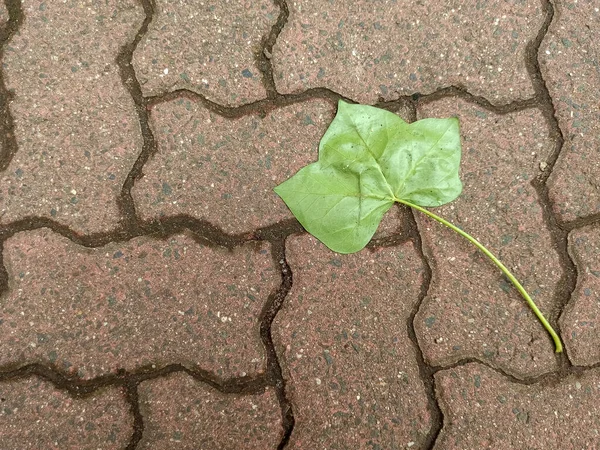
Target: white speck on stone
x,y
318,381
166,71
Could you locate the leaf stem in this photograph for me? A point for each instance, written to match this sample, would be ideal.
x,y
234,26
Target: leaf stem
x,y
502,267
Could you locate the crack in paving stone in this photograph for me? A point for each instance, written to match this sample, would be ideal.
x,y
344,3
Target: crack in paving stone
x,y
426,371
8,140
132,397
480,100
559,235
581,222
268,314
264,54
125,202
78,387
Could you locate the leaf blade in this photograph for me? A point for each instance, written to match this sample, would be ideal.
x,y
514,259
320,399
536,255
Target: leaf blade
x,y
369,158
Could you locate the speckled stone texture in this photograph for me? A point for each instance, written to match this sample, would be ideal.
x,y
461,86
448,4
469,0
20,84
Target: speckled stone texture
x,y
483,409
76,127
580,318
36,415
471,310
137,303
342,338
387,48
181,413
569,58
223,170
207,47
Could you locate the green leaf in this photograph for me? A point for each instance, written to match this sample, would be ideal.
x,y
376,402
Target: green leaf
x,y
370,158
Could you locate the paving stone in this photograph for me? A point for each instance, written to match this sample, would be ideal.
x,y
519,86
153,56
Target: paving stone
x,y
579,320
75,124
180,412
36,415
483,409
569,58
472,310
206,47
143,302
342,338
224,170
366,50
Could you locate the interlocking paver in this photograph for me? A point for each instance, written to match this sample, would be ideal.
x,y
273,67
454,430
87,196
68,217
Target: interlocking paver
x,y
224,170
367,50
483,409
75,123
342,338
579,320
569,58
207,47
36,415
180,412
471,310
128,304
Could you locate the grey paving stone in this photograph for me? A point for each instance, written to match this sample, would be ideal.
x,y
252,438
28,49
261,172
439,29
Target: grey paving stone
x,y
36,415
342,338
75,124
366,50
483,409
569,58
137,303
471,310
207,47
579,321
181,413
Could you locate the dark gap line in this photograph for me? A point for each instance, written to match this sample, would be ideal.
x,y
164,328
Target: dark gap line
x,y
124,60
559,235
263,57
79,388
268,314
8,140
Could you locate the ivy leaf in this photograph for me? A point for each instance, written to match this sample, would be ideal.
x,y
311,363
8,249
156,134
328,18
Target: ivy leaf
x,y
370,158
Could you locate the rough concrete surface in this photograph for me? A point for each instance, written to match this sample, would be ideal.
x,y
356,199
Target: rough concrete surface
x,y
155,293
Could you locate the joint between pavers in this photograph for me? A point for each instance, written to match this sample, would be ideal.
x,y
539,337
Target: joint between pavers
x,y
426,371
125,202
8,140
265,52
267,316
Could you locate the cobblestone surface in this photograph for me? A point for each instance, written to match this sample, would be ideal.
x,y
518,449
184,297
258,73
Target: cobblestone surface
x,y
483,409
579,321
179,412
400,47
75,124
155,293
137,303
34,414
569,58
206,47
343,341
